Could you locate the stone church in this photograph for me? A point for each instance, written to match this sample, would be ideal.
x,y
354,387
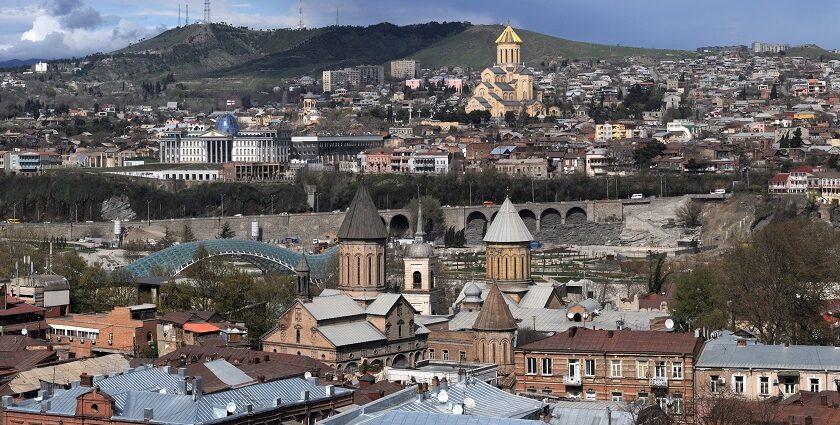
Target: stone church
x,y
507,86
363,320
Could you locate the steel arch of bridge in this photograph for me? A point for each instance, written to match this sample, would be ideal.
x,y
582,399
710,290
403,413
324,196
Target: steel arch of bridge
x,y
274,258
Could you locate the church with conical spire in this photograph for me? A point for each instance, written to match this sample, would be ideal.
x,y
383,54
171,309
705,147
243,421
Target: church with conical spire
x,y
507,86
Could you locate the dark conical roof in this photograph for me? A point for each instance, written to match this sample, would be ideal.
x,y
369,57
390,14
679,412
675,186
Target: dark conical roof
x,y
362,221
303,264
495,314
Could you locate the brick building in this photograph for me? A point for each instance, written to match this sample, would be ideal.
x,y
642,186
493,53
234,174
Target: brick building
x,y
123,330
620,365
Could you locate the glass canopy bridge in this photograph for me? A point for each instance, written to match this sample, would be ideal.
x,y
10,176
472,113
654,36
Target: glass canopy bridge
x,y
175,259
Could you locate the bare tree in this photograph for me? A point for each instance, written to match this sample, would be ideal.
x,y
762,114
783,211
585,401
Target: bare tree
x,y
689,213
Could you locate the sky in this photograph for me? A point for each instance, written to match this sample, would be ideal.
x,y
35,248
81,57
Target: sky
x,y
52,29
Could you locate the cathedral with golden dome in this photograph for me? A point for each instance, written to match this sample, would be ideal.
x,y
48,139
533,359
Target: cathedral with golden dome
x,y
507,86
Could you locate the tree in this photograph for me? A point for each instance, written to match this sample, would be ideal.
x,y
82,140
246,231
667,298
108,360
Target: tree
x,y
699,301
774,92
796,140
510,118
689,213
168,239
433,221
187,234
205,275
657,278
777,281
176,297
226,232
646,152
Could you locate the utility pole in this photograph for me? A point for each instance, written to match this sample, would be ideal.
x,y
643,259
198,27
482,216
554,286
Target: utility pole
x,y
223,206
148,212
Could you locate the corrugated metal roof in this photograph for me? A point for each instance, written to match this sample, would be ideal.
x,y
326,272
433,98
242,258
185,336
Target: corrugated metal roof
x,y
383,304
417,418
350,333
67,372
227,372
537,296
724,352
333,306
508,227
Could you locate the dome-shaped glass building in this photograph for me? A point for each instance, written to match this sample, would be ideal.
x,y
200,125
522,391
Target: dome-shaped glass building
x,y
227,123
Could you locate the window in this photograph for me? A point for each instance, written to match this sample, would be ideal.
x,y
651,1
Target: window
x,y
574,368
416,280
659,370
677,405
643,398
738,385
662,402
590,367
789,384
532,366
677,370
462,356
445,354
814,385
764,385
431,354
546,366
615,368
616,396
642,369
297,336
713,384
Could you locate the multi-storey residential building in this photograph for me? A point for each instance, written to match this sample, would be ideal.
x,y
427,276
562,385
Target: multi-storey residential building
x,y
371,75
127,330
529,167
377,161
429,162
404,69
333,80
760,47
621,365
225,143
612,131
741,366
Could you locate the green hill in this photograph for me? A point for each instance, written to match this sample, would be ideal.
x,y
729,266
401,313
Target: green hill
x,y
201,51
476,48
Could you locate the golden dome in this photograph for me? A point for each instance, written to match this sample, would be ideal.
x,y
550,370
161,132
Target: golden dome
x,y
508,36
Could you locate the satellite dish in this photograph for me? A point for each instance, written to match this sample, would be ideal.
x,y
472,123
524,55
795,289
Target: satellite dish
x,y
443,396
469,403
669,324
231,407
24,331
570,315
458,409
307,375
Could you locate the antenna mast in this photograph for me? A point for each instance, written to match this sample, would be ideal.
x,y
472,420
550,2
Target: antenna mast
x,y
187,21
179,14
300,15
336,16
206,11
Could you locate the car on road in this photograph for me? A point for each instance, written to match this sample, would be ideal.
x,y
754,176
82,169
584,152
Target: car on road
x,y
637,196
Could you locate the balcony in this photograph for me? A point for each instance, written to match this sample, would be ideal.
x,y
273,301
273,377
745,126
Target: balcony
x,y
659,382
571,380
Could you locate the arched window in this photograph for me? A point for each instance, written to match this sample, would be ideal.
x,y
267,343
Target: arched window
x,y
432,279
297,336
416,277
505,352
493,352
399,328
369,270
348,269
379,266
358,270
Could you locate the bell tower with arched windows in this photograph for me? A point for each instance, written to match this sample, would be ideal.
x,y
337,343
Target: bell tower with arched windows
x,y
362,238
420,264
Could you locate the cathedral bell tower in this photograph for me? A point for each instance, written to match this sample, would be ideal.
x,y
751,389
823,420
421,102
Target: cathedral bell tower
x,y
302,271
508,46
362,237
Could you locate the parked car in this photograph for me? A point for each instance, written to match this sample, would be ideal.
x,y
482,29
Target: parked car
x,y
637,196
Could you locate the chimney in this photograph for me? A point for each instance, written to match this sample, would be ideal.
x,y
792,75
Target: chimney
x,y
444,384
182,372
75,384
182,385
435,385
572,331
261,379
148,414
249,408
278,402
330,390
164,368
304,395
610,334
86,380
462,375
197,389
46,405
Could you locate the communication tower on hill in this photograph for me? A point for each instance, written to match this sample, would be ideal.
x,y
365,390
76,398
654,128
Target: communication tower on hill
x,y
300,15
206,11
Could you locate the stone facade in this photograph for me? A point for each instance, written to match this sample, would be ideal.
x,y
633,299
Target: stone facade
x,y
362,268
508,263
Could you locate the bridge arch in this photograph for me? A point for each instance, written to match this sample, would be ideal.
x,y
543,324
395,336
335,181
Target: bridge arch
x,y
530,219
177,258
399,226
576,215
475,227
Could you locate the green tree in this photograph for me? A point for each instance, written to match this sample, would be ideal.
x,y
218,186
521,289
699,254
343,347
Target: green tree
x,y
796,140
646,152
176,296
187,234
206,276
91,294
774,92
657,277
226,232
167,241
433,220
700,300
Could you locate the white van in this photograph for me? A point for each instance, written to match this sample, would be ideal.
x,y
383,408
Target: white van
x,y
719,192
637,196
